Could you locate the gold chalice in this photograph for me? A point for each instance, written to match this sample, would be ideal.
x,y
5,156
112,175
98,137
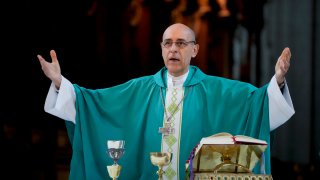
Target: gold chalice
x,y
160,159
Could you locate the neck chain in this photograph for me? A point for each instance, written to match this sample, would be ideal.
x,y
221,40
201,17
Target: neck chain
x,y
168,118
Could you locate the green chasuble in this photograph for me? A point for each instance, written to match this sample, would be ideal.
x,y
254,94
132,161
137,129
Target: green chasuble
x,y
133,112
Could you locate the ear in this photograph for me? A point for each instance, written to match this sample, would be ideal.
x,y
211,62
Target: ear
x,y
195,50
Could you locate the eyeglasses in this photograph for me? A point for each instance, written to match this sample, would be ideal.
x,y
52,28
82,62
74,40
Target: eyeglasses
x,y
179,44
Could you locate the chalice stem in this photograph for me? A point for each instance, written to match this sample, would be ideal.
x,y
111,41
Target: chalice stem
x,y
160,173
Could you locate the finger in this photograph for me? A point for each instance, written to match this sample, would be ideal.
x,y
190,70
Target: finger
x,y
41,60
284,54
288,50
53,56
287,54
287,62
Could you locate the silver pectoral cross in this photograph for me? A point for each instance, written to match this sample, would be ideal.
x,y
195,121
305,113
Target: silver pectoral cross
x,y
166,130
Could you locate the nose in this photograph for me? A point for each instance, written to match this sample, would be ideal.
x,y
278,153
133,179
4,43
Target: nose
x,y
174,47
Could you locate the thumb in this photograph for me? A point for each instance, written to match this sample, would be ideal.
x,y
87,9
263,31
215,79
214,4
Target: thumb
x,y
40,58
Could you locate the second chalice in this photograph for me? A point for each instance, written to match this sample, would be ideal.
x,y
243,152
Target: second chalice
x,y
160,159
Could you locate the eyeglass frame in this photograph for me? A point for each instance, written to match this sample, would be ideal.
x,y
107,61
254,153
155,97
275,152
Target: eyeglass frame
x,y
183,44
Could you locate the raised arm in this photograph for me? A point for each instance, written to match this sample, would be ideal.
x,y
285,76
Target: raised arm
x,y
280,104
51,69
62,103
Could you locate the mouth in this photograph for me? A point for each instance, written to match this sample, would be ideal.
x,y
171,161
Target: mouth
x,y
174,59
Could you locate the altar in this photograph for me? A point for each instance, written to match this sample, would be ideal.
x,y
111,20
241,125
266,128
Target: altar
x,y
219,158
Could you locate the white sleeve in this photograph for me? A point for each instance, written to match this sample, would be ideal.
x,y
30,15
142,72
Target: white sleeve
x,y
61,103
280,104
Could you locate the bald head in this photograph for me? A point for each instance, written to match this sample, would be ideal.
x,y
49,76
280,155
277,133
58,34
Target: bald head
x,y
178,48
182,29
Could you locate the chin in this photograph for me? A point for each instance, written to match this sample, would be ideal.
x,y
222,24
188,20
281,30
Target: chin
x,y
173,69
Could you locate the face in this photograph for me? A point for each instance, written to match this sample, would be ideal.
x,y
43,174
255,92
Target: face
x,y
178,47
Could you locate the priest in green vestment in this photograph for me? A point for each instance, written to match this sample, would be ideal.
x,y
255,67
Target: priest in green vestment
x,y
137,111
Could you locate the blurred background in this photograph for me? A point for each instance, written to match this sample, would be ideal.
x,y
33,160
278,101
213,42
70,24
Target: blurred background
x,y
102,43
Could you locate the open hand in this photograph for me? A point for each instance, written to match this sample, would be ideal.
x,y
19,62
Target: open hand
x,y
51,69
282,65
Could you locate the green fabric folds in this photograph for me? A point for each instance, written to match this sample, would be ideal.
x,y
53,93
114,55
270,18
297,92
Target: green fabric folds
x,y
133,112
